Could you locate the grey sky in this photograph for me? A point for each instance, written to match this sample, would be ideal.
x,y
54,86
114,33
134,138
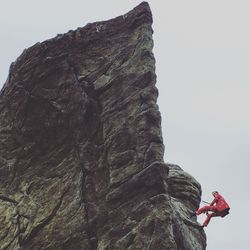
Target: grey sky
x,y
202,51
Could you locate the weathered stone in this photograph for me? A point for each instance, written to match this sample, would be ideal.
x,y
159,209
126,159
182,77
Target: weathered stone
x,y
185,193
81,150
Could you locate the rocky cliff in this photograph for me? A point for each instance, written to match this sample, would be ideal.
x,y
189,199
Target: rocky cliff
x,y
81,151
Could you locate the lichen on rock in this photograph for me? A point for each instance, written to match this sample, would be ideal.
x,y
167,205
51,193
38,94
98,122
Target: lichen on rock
x,y
81,149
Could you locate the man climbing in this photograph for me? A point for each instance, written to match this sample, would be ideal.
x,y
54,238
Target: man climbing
x,y
218,207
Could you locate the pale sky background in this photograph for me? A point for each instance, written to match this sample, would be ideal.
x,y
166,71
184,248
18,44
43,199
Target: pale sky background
x,y
202,51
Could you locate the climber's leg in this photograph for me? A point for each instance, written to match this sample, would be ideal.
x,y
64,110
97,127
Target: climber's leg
x,y
209,216
206,209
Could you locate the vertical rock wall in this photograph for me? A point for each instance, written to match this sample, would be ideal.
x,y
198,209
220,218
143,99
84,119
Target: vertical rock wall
x,y
81,151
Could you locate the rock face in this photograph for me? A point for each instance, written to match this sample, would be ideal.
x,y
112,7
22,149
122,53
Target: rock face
x,y
81,153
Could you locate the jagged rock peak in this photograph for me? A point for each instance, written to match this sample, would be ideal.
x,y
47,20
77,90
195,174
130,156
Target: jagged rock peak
x,y
91,32
81,149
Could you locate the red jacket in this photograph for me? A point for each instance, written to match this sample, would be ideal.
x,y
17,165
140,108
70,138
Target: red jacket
x,y
220,202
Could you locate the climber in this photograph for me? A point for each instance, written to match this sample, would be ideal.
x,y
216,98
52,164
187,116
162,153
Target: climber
x,y
221,208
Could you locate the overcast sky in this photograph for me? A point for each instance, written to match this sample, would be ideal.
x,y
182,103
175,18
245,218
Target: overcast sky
x,y
202,51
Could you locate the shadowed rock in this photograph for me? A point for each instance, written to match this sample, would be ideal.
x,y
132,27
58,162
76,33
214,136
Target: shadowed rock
x,y
81,151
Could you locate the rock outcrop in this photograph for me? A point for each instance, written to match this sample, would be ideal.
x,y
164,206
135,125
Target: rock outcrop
x,y
81,151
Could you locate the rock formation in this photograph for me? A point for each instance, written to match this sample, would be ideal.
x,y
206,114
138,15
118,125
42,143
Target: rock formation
x,y
81,151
